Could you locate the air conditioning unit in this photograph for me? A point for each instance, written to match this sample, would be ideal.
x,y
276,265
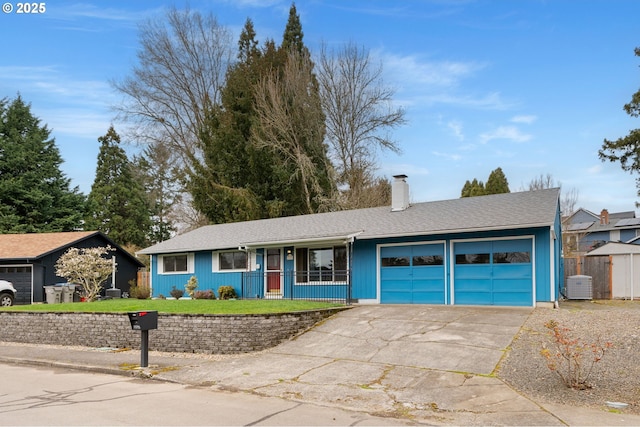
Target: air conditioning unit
x,y
579,287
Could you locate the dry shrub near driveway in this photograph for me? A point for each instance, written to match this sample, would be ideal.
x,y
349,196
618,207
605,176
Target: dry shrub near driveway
x,y
615,378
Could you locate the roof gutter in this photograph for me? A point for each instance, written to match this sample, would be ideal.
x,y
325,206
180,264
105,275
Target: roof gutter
x,y
460,230
347,238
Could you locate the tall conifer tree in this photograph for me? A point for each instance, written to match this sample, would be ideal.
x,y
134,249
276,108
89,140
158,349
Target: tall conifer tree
x,y
117,204
497,182
35,195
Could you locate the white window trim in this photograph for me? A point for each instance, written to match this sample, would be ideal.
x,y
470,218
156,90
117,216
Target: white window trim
x,y
215,262
333,272
190,264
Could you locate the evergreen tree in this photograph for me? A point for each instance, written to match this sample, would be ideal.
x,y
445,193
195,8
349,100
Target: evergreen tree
x,y
233,183
626,149
117,204
34,193
473,189
241,179
159,175
497,183
298,108
292,37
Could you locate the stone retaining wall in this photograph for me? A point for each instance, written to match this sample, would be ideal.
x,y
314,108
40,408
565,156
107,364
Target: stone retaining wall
x,y
199,333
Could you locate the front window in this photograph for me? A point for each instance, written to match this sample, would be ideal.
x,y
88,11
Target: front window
x,y
175,264
321,264
233,260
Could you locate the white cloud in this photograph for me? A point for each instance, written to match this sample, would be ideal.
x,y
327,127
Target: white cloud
x,y
594,170
435,73
524,119
511,133
456,128
391,169
86,11
454,157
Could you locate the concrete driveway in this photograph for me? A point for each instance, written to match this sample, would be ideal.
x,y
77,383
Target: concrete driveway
x,y
426,363
460,339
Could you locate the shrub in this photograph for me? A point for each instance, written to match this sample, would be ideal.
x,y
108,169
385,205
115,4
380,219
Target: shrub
x,y
139,292
208,294
572,359
176,293
160,296
191,285
227,292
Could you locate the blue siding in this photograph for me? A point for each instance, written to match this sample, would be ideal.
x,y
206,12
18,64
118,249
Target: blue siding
x,y
363,270
628,234
582,216
507,281
207,279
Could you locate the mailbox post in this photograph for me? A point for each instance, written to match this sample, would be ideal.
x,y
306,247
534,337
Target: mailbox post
x,y
143,321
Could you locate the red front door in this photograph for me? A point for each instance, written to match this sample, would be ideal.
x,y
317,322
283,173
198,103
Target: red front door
x,y
273,271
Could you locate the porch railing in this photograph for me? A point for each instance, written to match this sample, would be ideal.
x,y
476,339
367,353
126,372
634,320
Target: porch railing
x,y
330,286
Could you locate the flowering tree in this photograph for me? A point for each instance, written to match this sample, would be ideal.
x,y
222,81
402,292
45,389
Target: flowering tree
x,y
86,267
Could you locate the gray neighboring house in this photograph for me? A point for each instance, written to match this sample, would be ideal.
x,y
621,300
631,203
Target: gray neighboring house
x,y
502,249
585,230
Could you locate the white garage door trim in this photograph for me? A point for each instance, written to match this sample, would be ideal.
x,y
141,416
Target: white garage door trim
x,y
428,242
493,239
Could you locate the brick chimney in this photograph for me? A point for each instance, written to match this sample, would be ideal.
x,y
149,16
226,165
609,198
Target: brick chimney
x,y
604,217
399,193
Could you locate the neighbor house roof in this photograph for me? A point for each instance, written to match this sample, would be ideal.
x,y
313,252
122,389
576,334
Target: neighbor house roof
x,y
615,248
35,245
30,246
494,212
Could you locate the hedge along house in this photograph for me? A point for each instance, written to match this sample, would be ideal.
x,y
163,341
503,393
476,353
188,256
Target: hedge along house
x,y
490,250
28,260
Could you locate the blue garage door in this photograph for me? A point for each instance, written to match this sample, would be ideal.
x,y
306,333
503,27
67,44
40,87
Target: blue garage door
x,y
493,273
412,274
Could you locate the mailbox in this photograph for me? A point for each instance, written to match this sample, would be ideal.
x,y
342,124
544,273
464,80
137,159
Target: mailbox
x,y
143,320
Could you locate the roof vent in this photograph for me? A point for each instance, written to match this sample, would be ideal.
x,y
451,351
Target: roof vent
x,y
399,193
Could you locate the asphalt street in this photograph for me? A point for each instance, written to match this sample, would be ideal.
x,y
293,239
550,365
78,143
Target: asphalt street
x,y
53,397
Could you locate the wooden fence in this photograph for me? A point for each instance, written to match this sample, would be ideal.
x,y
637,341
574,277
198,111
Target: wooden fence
x,y
144,278
598,267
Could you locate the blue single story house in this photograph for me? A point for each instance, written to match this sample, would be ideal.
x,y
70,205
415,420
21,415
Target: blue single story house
x,y
502,249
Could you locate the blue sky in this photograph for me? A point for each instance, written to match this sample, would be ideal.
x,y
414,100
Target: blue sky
x,y
531,86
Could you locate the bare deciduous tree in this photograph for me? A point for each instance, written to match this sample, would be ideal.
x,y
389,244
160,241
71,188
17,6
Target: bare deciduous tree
x,y
291,123
182,65
359,113
569,198
542,182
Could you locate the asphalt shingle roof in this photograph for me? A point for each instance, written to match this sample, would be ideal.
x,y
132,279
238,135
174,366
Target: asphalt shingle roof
x,y
500,211
35,245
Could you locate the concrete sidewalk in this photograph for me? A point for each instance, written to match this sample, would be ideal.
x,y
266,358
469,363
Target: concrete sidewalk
x,y
427,364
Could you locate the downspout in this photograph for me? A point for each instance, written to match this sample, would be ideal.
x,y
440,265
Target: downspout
x,y
631,278
350,241
151,273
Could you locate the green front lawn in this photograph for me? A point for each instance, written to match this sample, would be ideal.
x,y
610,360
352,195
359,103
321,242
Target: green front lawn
x,y
180,306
